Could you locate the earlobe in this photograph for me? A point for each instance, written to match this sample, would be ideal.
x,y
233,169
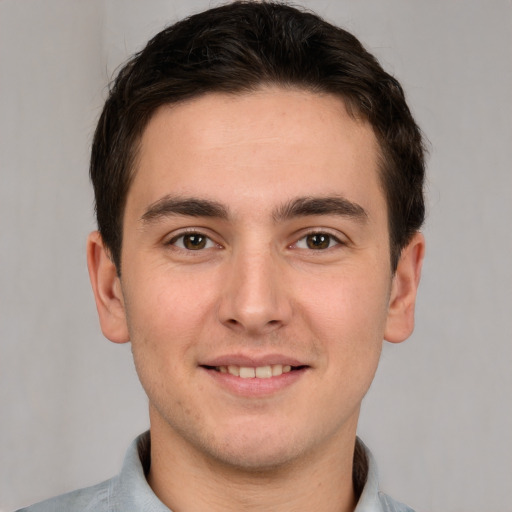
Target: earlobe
x,y
107,290
400,320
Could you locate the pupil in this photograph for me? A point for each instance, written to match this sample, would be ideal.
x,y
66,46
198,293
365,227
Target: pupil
x,y
318,241
194,242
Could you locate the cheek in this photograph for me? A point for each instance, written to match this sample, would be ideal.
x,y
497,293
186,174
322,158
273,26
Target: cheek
x,y
168,300
166,314
347,314
165,318
351,301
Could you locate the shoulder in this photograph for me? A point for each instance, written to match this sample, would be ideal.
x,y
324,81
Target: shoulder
x,y
390,505
128,490
372,499
89,499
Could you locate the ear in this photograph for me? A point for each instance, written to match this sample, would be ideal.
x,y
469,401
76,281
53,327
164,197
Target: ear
x,y
400,320
106,286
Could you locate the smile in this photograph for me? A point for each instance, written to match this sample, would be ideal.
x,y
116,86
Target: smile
x,y
255,379
259,372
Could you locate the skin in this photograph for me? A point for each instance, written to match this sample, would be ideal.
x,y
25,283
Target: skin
x,y
256,287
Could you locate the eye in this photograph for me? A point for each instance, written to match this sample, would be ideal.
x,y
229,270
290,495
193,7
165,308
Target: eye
x,y
317,241
192,242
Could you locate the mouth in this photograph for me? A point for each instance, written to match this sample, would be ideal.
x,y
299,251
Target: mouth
x,y
255,376
255,372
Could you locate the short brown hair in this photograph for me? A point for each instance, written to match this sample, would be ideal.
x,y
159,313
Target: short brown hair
x,y
237,48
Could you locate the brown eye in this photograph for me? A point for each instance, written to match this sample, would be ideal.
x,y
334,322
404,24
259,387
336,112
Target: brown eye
x,y
192,242
318,241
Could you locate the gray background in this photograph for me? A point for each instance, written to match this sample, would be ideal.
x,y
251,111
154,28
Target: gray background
x,y
438,416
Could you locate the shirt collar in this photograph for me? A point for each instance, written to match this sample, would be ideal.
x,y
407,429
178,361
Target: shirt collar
x,y
369,499
131,492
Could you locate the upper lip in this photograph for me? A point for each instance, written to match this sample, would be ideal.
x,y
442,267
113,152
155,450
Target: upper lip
x,y
252,361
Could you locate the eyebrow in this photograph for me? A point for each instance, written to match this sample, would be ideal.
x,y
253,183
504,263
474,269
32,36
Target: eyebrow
x,y
330,205
191,207
298,207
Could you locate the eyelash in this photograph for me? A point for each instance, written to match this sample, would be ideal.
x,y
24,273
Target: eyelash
x,y
209,243
329,236
332,241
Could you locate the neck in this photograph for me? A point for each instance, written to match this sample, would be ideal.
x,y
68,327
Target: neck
x,y
185,480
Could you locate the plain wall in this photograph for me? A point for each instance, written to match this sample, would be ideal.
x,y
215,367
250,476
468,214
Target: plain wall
x,y
439,414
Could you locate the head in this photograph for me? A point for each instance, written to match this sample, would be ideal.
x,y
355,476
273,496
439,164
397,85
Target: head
x,y
238,48
258,182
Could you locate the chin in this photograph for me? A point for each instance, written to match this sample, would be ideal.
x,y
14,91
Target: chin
x,y
257,451
249,460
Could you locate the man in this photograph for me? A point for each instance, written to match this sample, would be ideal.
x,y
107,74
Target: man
x,y
258,181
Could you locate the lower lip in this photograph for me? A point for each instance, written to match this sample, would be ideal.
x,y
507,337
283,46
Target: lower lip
x,y
255,387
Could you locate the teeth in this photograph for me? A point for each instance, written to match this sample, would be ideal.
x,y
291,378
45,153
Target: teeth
x,y
260,372
247,373
234,370
264,372
277,369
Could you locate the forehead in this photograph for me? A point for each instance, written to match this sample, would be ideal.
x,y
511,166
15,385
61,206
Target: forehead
x,y
258,147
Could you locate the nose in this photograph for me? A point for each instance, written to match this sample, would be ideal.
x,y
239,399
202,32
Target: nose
x,y
255,299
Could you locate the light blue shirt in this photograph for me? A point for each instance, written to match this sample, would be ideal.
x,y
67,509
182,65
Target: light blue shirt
x,y
130,492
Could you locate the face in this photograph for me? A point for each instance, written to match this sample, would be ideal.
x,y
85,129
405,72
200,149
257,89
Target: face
x,y
256,286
